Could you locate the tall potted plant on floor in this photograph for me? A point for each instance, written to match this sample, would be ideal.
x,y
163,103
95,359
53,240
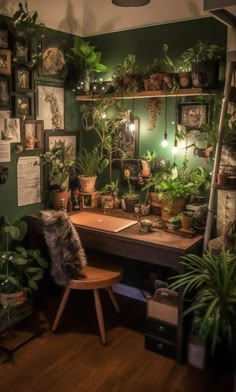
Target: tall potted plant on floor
x,y
211,281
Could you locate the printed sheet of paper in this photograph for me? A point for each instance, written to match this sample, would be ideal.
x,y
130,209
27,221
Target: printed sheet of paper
x,y
28,181
5,151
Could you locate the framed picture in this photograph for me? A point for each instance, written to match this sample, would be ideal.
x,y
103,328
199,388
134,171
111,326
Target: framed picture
x,y
50,105
192,114
5,93
126,142
5,62
4,39
22,51
65,139
32,131
12,131
134,167
24,106
23,79
52,59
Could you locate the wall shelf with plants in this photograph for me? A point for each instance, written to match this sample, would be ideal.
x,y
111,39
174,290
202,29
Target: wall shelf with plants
x,y
151,94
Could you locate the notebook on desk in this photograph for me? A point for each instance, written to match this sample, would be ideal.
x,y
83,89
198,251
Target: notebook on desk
x,y
101,222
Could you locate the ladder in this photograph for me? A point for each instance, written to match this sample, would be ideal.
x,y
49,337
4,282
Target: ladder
x,y
230,69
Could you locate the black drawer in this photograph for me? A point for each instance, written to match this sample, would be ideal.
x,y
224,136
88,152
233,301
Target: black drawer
x,y
159,346
161,329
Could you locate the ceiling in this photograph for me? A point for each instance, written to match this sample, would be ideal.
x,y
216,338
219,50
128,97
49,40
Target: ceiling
x,y
94,17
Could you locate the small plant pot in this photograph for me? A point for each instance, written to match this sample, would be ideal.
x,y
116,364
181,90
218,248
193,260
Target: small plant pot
x,y
130,203
58,196
87,184
184,79
222,179
186,221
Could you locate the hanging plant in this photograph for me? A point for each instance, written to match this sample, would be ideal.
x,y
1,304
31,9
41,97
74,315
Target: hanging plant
x,y
153,108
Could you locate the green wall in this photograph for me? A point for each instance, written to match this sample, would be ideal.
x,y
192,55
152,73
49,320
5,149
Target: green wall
x,y
8,191
146,43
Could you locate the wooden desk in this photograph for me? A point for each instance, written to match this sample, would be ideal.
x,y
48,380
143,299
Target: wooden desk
x,y
158,247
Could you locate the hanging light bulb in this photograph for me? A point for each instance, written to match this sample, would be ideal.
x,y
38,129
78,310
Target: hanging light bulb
x,y
164,142
175,148
132,127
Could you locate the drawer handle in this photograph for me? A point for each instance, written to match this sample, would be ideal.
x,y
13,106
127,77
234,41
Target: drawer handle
x,y
160,346
161,328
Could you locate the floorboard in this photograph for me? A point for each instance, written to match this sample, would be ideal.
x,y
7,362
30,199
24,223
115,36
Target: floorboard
x,y
74,360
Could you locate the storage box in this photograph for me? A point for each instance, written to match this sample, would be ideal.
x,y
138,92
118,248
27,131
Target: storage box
x,y
162,311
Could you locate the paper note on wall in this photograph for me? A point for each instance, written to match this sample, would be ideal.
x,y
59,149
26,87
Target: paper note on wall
x,y
28,181
5,151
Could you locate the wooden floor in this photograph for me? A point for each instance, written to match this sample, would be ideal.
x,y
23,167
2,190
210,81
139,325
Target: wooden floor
x,y
73,359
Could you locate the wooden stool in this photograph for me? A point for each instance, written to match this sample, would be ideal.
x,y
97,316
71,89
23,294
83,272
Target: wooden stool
x,y
98,277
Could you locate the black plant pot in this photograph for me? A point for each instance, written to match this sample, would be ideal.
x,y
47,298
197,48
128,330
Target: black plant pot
x,y
205,74
129,203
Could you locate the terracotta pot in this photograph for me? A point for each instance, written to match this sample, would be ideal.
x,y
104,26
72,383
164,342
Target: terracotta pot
x,y
184,79
169,210
13,299
57,196
87,184
186,222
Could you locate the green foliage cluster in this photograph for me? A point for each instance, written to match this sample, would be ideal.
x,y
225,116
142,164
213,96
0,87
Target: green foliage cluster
x,y
84,57
212,281
19,267
112,187
59,165
89,163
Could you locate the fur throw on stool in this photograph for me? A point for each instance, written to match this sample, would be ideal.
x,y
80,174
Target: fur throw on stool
x,y
67,254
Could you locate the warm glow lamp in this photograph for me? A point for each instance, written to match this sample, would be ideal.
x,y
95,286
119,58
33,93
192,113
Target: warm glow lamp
x,y
164,142
130,3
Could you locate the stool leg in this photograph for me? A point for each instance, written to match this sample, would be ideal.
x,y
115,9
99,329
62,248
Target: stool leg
x,y
61,308
98,307
113,299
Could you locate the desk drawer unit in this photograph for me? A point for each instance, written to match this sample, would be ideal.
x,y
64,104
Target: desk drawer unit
x,y
160,346
160,329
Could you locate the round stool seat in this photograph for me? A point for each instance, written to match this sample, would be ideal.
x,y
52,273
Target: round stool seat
x,y
97,277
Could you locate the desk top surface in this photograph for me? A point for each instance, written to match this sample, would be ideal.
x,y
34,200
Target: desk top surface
x,y
157,238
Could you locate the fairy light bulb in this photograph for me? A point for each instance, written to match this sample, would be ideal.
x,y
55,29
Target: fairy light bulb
x,y
132,127
175,148
104,115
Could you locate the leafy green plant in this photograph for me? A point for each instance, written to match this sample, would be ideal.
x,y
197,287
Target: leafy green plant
x,y
25,20
60,166
202,52
84,57
89,163
169,63
127,67
19,267
130,194
112,188
212,281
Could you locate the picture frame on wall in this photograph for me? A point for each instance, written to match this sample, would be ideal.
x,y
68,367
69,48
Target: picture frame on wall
x,y
52,59
62,139
126,142
24,106
4,39
50,104
12,130
32,131
22,50
5,93
5,62
23,79
193,115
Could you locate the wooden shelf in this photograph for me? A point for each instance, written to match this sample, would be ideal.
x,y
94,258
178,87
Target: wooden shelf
x,y
150,94
225,187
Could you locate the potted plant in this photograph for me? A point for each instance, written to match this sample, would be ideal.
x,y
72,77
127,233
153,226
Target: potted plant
x,y
186,220
109,194
127,75
203,59
59,167
211,281
130,198
20,268
86,61
89,164
24,21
